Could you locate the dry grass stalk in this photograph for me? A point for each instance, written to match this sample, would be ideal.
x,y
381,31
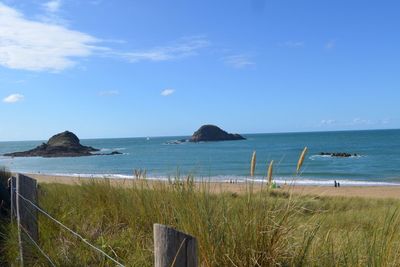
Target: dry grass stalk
x,y
269,173
253,164
139,173
301,160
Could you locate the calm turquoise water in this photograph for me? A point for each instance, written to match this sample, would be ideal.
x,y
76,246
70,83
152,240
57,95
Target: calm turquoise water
x,y
378,163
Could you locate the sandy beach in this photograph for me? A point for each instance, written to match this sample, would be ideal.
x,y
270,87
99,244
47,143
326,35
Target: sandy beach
x,y
217,187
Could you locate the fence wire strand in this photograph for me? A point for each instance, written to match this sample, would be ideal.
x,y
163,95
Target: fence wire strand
x,y
37,246
70,230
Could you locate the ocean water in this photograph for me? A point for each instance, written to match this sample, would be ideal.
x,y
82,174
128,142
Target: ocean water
x,y
377,163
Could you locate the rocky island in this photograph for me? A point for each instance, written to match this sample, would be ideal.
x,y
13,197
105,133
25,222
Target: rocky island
x,y
208,133
65,144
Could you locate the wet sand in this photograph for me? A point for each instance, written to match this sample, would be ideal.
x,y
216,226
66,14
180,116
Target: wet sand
x,y
217,187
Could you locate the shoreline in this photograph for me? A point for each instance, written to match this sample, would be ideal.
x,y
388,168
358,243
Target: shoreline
x,y
374,192
282,181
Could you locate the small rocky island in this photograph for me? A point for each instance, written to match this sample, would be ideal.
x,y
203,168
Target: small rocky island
x,y
208,133
338,154
65,144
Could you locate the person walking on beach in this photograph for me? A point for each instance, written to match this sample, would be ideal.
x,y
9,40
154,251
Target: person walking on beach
x,y
335,183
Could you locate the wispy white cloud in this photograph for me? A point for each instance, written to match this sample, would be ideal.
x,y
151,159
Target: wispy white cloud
x,y
184,47
48,45
385,121
331,44
292,44
96,2
354,123
359,121
52,6
239,61
20,81
109,93
13,98
167,92
52,12
37,46
328,122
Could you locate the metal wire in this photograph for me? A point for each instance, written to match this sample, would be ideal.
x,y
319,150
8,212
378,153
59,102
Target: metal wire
x,y
37,246
71,231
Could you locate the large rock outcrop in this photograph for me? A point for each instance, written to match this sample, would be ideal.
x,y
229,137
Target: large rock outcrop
x,y
65,144
208,133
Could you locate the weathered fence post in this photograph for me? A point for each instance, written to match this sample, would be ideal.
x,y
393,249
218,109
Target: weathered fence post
x,y
173,248
24,212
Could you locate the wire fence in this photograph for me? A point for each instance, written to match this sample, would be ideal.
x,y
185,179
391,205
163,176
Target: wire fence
x,y
37,246
171,247
42,211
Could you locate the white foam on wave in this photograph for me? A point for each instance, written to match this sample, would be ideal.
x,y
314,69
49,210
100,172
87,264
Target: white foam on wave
x,y
312,182
316,157
175,142
87,175
112,149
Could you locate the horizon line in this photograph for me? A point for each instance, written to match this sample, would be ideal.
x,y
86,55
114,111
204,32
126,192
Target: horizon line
x,y
188,135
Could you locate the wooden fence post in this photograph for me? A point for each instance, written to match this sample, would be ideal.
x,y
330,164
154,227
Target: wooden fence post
x,y
13,186
24,212
173,248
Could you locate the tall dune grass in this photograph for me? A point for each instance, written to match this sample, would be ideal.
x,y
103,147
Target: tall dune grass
x,y
269,172
252,228
301,160
4,212
232,230
266,228
4,176
253,164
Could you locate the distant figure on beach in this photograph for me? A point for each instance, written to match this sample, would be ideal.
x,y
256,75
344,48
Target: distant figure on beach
x,y
336,185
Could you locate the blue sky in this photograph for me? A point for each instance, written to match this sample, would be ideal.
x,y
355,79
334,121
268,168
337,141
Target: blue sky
x,y
152,68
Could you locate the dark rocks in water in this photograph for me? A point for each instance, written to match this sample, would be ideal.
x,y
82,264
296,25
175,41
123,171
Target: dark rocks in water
x,y
338,154
213,133
65,144
176,142
114,153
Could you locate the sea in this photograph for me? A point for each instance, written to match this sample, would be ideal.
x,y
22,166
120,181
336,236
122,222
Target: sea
x,y
377,159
